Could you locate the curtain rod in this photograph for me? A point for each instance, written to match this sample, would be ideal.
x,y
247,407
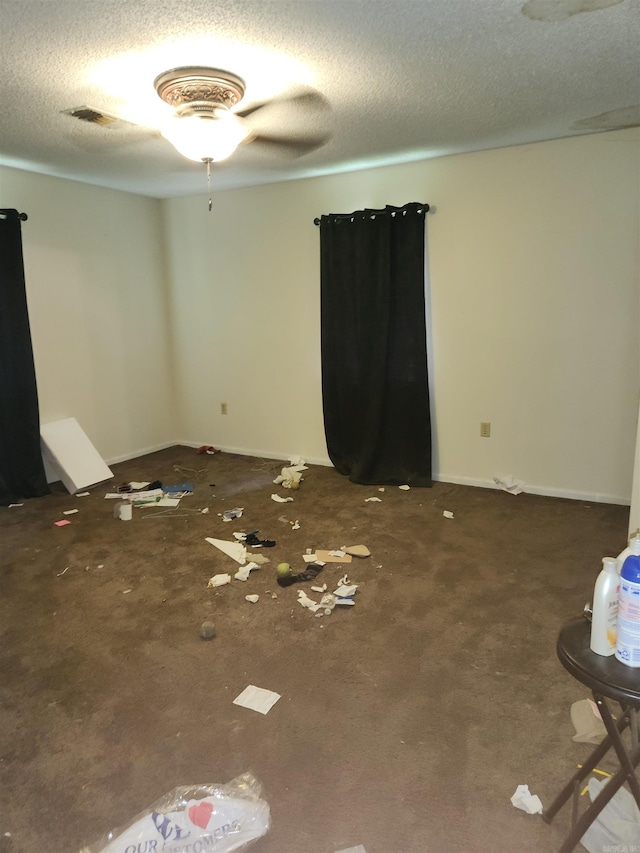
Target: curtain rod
x,y
387,209
10,213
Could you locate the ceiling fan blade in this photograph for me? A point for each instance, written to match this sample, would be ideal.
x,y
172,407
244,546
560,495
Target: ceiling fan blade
x,y
295,147
309,99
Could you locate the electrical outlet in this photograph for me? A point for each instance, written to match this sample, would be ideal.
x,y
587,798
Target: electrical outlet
x,y
485,429
223,408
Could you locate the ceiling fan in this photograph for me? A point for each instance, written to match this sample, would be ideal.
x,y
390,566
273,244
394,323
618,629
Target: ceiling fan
x,y
206,126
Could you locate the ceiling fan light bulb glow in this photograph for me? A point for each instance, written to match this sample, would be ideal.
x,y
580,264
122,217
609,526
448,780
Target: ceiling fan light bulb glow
x,y
203,137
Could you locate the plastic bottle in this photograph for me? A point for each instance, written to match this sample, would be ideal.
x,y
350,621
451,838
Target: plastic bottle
x,y
622,556
605,609
628,642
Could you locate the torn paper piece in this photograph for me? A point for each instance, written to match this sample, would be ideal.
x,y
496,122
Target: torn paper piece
x,y
332,556
307,602
150,496
523,799
219,580
82,494
61,523
252,599
447,513
587,722
346,591
110,496
373,500
358,849
162,502
509,484
309,558
69,511
356,550
298,460
235,550
295,525
10,505
136,485
258,559
322,588
280,500
243,573
290,477
230,514
404,488
257,699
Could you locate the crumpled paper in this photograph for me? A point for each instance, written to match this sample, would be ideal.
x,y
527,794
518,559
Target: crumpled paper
x,y
525,800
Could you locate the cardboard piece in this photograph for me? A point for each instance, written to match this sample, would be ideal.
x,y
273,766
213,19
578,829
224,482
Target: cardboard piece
x,y
68,455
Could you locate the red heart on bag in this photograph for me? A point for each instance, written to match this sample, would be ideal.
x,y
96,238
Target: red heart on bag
x,y
200,814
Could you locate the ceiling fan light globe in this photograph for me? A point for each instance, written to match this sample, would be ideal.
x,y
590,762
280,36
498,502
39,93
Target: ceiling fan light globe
x,y
201,137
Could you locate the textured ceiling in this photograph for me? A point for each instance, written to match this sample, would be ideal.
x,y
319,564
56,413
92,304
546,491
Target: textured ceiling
x,y
405,80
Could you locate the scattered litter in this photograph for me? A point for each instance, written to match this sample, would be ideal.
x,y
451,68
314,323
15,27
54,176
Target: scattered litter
x,y
205,510
297,460
230,514
253,599
257,699
447,513
333,556
345,592
110,496
587,722
59,575
358,849
617,827
69,511
309,558
179,490
10,505
258,559
243,573
225,817
381,489
528,802
252,540
322,588
291,476
125,591
81,495
219,580
235,550
207,448
207,630
139,485
373,500
62,523
280,500
509,484
307,602
404,488
356,550
309,574
150,496
295,525
123,510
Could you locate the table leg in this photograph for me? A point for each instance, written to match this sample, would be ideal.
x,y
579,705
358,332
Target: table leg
x,y
628,761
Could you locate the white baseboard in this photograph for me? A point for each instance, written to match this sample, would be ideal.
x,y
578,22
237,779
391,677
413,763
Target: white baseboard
x,y
546,491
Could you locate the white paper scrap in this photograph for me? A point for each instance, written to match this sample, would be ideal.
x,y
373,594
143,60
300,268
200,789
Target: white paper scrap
x,y
525,800
10,505
236,550
307,602
253,599
164,502
280,500
69,511
322,588
509,484
447,513
309,558
345,591
243,573
151,495
111,496
358,849
295,525
337,553
219,580
82,494
373,500
257,699
404,488
135,485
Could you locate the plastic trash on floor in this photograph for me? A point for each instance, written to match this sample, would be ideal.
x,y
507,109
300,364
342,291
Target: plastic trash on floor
x,y
195,817
617,827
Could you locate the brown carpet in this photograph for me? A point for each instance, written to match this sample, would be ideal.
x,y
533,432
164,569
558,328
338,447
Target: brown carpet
x,y
406,722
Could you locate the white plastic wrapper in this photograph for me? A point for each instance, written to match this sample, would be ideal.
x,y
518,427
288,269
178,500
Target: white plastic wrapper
x,y
195,819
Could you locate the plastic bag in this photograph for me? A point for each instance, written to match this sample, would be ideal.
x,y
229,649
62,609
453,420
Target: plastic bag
x,y
195,819
617,827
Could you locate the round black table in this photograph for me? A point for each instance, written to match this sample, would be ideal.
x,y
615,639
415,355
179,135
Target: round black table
x,y
609,681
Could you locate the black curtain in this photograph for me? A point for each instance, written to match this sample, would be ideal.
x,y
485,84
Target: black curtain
x,y
21,468
375,386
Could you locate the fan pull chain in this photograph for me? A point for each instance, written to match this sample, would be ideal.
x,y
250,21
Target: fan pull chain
x,y
208,162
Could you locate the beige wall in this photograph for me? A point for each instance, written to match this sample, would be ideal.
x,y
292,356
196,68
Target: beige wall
x,y
533,292
98,311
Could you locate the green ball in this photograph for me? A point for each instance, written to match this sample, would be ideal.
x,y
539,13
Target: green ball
x,y
283,569
207,630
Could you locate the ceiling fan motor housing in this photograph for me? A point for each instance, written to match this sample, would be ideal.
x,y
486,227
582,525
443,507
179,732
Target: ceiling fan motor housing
x,y
197,90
